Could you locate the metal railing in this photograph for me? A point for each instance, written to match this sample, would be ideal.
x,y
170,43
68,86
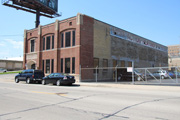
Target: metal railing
x,y
117,74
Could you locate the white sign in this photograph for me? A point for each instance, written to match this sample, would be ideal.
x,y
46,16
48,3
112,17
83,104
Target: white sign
x,y
129,69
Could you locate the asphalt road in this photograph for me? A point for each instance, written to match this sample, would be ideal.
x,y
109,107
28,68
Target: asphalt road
x,y
38,102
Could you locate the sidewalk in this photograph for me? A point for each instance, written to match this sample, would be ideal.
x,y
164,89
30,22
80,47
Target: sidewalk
x,y
126,85
131,86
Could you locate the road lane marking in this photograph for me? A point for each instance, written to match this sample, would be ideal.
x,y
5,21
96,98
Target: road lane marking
x,y
60,94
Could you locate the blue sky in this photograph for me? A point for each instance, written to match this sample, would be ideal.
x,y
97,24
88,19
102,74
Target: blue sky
x,y
157,20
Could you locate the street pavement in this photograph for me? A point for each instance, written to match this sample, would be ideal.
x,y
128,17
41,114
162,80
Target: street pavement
x,y
90,101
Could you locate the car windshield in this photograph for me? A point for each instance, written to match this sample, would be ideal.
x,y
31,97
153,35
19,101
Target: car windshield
x,y
51,75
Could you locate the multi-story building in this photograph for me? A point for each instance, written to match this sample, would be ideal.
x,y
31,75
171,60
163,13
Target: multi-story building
x,y
82,41
174,50
174,55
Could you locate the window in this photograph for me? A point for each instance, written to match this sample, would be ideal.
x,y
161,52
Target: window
x,y
96,64
43,43
73,65
62,40
68,39
47,66
122,63
67,65
114,63
129,64
32,45
52,65
43,65
105,63
52,41
74,38
61,65
48,39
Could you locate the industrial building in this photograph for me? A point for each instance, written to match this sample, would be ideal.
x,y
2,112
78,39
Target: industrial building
x,y
174,55
84,42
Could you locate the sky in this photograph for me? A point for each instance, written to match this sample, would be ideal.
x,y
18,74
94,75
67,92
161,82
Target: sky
x,y
156,20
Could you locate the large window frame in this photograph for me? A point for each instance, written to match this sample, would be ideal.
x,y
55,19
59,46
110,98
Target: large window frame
x,y
48,66
73,38
67,65
44,41
62,65
105,64
96,64
68,39
73,64
52,65
32,45
48,42
62,40
52,41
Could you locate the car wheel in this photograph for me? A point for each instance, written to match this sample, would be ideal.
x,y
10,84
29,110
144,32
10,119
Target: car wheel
x,y
16,80
162,77
58,82
43,82
28,81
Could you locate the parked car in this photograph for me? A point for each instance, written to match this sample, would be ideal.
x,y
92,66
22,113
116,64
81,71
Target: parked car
x,y
171,74
30,76
2,70
160,74
58,79
177,74
124,75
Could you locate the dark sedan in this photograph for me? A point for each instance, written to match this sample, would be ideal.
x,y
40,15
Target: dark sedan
x,y
58,79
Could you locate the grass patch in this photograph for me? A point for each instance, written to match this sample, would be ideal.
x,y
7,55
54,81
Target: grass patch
x,y
10,72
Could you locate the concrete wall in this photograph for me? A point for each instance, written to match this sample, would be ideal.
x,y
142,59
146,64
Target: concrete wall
x,y
113,43
102,40
11,65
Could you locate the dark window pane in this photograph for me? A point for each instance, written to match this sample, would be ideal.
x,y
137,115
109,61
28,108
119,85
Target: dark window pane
x,y
48,39
32,45
105,63
43,43
67,65
61,65
62,39
47,66
52,65
53,42
43,65
74,38
73,65
68,39
96,64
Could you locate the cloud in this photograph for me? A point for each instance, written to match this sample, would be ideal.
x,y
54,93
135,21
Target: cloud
x,y
16,44
2,44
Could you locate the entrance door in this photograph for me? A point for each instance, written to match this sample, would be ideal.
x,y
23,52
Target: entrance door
x,y
33,66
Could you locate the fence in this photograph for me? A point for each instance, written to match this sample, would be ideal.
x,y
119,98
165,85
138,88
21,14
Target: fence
x,y
158,75
154,75
103,74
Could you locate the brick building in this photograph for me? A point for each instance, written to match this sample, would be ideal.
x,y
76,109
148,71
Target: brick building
x,y
64,45
174,55
174,50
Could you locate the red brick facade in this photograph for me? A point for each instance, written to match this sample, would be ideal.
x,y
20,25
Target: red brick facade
x,y
81,51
